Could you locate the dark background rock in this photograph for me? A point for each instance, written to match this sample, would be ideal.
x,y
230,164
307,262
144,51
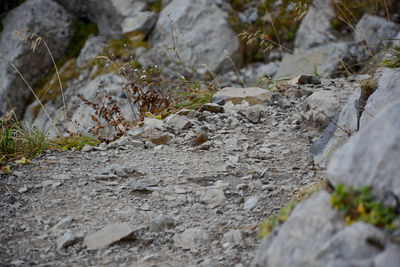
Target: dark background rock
x,y
46,19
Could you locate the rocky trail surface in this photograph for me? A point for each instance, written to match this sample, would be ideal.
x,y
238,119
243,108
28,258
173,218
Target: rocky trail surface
x,y
167,205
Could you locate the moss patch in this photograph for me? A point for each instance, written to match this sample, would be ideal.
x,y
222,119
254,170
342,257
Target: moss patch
x,y
358,204
82,30
156,6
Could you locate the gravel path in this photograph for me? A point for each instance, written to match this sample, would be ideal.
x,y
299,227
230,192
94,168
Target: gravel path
x,y
184,206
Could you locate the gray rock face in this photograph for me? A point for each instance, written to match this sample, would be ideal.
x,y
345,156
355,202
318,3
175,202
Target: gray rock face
x,y
388,91
325,104
45,18
371,157
93,46
348,123
142,22
315,27
253,73
310,225
203,35
375,31
326,60
350,246
108,15
315,235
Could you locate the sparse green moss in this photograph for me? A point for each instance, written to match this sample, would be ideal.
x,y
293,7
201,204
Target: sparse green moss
x,y
72,142
239,5
48,88
358,204
82,30
124,49
274,220
156,6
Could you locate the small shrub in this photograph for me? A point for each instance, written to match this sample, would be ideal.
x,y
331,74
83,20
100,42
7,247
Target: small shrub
x,y
108,112
358,204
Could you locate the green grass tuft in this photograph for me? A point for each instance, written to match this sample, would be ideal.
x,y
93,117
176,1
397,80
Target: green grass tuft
x,y
392,59
19,140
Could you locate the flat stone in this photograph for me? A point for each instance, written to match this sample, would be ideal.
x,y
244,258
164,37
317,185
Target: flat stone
x,y
212,196
152,123
177,122
161,222
108,236
253,95
232,237
192,238
253,115
250,203
155,136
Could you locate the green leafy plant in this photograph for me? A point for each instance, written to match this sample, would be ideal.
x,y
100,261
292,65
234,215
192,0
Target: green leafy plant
x,y
358,204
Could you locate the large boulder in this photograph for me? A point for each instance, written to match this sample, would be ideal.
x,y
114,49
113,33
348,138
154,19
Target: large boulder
x,y
310,225
108,15
371,157
326,61
46,19
315,235
195,30
388,91
375,31
315,28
